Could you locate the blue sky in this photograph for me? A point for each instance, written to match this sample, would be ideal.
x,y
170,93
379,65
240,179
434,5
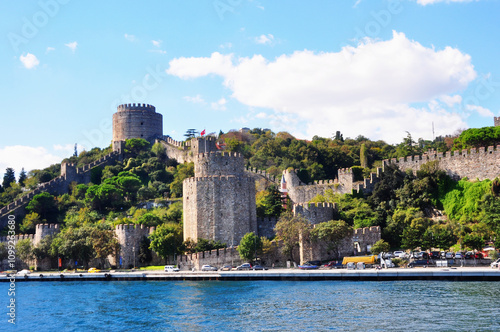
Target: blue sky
x,y
371,68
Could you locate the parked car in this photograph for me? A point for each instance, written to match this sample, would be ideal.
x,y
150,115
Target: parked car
x,y
226,268
478,255
419,262
308,266
469,255
171,268
333,265
259,267
208,268
244,266
387,255
420,255
449,255
400,254
495,264
459,255
93,270
24,272
435,254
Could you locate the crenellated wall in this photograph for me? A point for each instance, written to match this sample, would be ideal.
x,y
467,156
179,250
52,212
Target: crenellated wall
x,y
129,237
219,202
58,186
358,242
137,121
474,164
315,213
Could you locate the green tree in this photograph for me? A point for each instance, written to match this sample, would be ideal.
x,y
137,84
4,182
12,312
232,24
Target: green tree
x,y
249,246
24,250
269,203
29,222
44,204
74,243
166,240
8,178
22,177
289,229
136,145
104,243
380,246
182,172
332,233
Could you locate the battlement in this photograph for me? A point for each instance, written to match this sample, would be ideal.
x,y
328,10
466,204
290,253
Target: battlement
x,y
343,171
315,213
173,142
220,178
262,173
132,227
136,107
217,163
42,227
367,230
16,238
481,163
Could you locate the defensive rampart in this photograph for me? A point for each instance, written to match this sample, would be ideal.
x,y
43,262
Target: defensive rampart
x,y
482,163
358,242
58,186
299,192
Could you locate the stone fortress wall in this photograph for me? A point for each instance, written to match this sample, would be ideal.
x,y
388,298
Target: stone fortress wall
x,y
219,202
58,186
137,121
482,163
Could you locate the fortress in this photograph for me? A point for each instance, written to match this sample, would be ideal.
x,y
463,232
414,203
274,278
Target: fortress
x,y
219,201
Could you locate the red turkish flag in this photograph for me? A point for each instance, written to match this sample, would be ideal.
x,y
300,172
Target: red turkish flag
x,y
203,132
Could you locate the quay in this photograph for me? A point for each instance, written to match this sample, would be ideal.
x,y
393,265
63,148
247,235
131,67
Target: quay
x,y
448,274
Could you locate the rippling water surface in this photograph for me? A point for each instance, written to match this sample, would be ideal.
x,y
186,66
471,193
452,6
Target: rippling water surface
x,y
256,306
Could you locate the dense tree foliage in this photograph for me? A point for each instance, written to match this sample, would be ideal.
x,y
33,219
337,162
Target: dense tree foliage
x,y
249,246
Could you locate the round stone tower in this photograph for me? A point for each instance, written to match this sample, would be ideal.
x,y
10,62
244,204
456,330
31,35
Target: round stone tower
x,y
137,121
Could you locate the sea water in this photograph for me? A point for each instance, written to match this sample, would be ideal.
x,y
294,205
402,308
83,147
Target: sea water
x,y
254,306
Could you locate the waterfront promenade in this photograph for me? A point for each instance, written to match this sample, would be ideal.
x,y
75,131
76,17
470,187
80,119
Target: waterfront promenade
x,y
431,273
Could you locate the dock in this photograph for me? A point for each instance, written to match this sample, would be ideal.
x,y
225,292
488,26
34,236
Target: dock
x,y
449,274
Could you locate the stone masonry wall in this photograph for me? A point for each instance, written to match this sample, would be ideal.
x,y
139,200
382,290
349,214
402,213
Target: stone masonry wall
x,y
58,186
474,164
137,121
358,242
220,208
129,237
315,213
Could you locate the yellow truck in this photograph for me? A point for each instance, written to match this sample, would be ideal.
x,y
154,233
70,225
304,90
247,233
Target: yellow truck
x,y
360,259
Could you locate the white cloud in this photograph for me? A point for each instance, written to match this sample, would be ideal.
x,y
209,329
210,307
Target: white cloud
x,y
367,90
451,100
130,38
431,2
480,110
29,157
198,99
226,45
219,105
72,46
49,49
156,43
158,51
29,61
264,39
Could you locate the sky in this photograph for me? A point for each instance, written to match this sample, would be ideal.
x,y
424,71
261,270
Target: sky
x,y
375,68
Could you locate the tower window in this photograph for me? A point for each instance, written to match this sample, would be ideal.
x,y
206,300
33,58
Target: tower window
x,y
142,123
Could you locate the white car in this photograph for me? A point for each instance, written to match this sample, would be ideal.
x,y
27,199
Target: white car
x,y
400,254
24,272
495,264
208,268
171,268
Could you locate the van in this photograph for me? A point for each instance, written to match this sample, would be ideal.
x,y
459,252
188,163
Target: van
x,y
171,268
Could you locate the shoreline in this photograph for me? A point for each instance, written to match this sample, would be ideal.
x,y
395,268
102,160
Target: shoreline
x,y
393,274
